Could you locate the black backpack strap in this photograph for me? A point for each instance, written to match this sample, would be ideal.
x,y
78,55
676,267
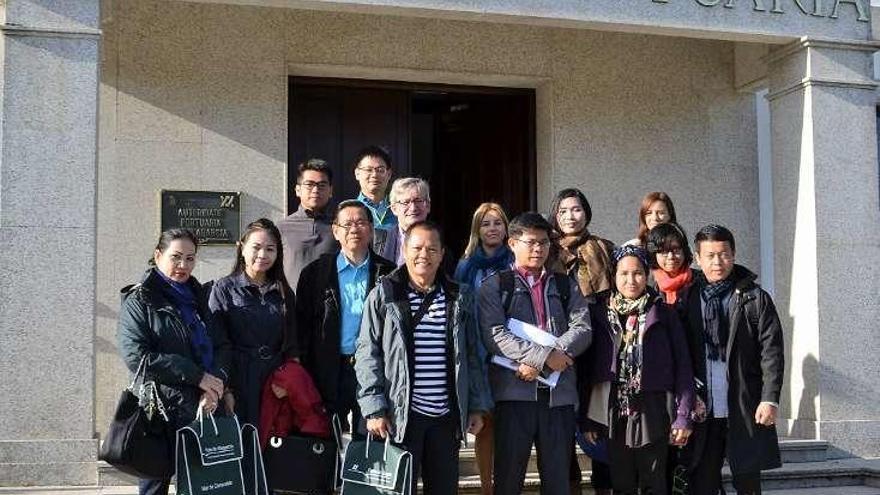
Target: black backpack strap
x,y
750,308
507,281
563,286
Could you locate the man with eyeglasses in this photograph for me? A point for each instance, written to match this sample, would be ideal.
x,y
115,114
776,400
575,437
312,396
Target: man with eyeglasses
x,y
736,345
410,202
306,234
528,411
372,169
329,311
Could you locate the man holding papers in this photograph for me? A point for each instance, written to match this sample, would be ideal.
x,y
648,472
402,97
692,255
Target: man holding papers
x,y
534,323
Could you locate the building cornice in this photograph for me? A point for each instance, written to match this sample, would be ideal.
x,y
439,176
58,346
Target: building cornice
x,y
820,82
43,32
810,42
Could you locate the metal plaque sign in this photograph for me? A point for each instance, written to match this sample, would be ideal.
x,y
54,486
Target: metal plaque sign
x,y
214,216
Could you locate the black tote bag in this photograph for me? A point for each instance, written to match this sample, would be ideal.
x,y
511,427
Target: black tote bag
x,y
301,464
138,441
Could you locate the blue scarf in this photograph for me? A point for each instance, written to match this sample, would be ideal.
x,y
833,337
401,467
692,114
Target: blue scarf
x,y
183,298
468,268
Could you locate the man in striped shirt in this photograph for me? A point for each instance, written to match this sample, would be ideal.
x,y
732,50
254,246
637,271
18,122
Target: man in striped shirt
x,y
418,372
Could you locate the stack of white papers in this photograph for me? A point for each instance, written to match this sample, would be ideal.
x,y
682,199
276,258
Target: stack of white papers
x,y
527,331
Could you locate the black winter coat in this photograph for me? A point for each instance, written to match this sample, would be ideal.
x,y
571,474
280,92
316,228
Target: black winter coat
x,y
151,325
755,367
319,321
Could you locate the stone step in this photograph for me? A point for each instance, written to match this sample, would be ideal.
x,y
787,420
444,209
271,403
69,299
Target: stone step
x,y
837,490
825,474
836,477
794,451
800,450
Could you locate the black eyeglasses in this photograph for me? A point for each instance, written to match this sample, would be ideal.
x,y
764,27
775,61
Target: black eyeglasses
x,y
315,185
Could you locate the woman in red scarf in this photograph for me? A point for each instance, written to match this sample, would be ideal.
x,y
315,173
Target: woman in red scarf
x,y
670,258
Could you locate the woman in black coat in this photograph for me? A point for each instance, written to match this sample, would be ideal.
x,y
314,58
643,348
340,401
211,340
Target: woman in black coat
x,y
254,318
162,322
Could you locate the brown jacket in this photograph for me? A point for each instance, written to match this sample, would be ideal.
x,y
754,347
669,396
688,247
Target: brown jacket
x,y
590,264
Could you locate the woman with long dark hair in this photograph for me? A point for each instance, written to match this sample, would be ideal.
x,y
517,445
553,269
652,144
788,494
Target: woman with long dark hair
x,y
577,252
254,317
162,322
587,259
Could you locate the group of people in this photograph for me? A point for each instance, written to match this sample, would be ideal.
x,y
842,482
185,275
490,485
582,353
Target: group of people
x,y
660,362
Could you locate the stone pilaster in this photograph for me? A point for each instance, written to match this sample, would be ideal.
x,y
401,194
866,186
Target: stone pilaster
x,y
827,239
48,115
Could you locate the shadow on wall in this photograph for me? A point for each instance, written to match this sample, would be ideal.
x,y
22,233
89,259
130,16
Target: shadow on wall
x,y
183,76
803,425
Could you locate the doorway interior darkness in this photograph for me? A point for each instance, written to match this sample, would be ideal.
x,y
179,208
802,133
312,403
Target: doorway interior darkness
x,y
472,144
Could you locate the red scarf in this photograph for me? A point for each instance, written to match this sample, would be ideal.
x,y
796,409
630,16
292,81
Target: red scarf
x,y
670,286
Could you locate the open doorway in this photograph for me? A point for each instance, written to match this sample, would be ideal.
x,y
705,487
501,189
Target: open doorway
x,y
472,144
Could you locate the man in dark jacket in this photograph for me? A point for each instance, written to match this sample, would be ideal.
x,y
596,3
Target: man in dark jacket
x,y
528,411
735,340
330,306
306,233
419,377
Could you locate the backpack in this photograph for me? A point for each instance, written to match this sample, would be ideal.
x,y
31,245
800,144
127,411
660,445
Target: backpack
x,y
507,281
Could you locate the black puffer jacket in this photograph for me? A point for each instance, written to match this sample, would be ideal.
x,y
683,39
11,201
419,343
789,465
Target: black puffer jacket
x,y
150,325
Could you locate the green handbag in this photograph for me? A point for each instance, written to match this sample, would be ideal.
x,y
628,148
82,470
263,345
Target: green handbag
x,y
371,468
212,458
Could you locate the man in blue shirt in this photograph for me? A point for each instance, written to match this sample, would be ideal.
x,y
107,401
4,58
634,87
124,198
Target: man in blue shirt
x,y
372,169
330,304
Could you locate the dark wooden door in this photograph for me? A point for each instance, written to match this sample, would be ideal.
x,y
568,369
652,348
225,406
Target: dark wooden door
x,y
334,122
472,144
483,151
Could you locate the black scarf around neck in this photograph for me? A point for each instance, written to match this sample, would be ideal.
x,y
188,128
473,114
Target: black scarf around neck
x,y
716,328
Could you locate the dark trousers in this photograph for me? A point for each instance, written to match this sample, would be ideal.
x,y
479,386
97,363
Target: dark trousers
x,y
434,445
600,477
637,470
346,399
518,425
706,475
153,487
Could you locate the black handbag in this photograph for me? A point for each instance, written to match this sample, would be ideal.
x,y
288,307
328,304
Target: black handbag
x,y
300,464
139,439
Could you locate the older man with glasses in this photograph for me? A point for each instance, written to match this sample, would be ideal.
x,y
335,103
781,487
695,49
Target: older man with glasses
x,y
411,202
372,169
306,233
329,312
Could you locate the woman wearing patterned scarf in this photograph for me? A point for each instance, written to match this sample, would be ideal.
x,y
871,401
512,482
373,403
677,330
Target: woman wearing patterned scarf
x,y
640,385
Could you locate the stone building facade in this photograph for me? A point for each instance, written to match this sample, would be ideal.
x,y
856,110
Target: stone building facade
x,y
757,114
